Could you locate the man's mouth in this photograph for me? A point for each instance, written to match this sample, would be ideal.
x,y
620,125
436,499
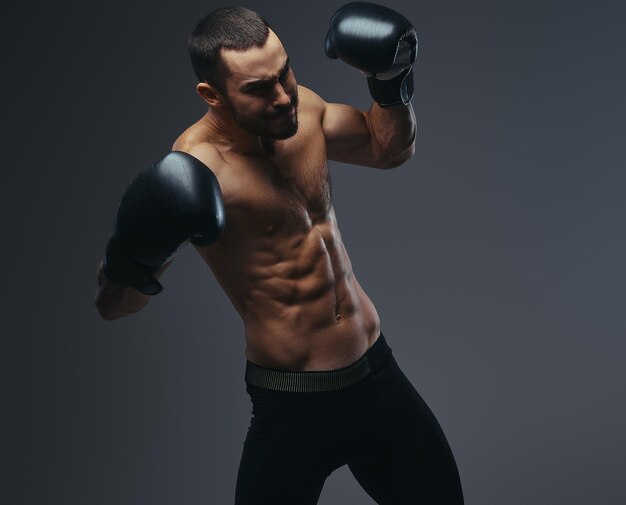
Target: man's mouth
x,y
284,114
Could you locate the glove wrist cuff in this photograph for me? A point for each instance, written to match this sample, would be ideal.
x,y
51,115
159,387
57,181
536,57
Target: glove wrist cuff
x,y
121,269
398,90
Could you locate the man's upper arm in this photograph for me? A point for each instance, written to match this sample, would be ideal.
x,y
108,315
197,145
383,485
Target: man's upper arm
x,y
348,135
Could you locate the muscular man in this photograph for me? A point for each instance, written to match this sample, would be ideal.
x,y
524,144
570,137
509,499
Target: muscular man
x,y
325,388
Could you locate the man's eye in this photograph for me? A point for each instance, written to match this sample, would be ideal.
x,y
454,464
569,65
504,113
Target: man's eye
x,y
285,74
258,89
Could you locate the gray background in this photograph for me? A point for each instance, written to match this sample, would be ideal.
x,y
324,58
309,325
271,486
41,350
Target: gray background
x,y
494,256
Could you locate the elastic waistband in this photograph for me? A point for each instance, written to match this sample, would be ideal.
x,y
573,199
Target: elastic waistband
x,y
376,357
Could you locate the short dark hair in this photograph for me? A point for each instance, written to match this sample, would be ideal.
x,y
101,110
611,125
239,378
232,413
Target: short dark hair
x,y
230,27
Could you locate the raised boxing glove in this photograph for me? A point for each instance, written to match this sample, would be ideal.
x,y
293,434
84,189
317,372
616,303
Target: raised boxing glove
x,y
379,42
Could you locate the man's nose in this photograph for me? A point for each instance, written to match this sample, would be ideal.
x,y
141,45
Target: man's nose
x,y
281,98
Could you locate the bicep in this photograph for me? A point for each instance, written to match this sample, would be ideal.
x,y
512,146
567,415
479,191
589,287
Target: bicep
x,y
347,131
349,137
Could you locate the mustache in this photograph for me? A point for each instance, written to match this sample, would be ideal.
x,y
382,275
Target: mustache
x,y
283,112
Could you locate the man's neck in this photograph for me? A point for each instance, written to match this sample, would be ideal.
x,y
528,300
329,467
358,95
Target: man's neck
x,y
227,133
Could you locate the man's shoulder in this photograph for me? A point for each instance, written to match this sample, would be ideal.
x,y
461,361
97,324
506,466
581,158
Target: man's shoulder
x,y
310,99
204,150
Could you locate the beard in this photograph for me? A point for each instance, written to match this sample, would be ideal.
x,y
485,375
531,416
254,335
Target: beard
x,y
278,126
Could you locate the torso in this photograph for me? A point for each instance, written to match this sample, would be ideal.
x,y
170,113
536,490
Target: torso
x,y
280,259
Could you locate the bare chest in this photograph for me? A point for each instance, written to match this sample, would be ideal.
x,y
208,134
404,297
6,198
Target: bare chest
x,y
288,192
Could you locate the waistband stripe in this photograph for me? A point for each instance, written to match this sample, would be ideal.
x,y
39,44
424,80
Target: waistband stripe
x,y
331,380
327,380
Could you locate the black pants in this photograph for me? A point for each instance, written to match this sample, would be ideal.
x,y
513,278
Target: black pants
x,y
305,425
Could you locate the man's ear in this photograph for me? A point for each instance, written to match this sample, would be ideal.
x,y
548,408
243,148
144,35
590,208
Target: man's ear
x,y
209,94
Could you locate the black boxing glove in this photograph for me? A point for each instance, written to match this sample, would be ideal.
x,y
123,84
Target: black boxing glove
x,y
379,42
178,199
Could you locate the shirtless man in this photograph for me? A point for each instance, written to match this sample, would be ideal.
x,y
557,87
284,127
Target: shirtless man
x,y
325,388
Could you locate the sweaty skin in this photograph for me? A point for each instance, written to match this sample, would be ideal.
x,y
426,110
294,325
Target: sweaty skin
x,y
281,259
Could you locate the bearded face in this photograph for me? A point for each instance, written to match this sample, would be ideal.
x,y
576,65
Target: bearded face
x,y
275,123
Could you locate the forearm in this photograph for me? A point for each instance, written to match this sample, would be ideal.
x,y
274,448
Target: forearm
x,y
395,130
114,301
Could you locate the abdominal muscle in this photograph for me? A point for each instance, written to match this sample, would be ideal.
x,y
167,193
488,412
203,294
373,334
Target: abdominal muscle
x,y
301,304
